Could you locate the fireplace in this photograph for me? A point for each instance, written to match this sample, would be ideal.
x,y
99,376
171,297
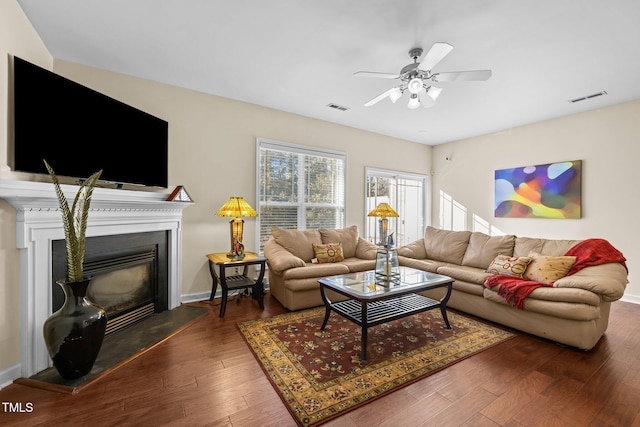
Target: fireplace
x,y
114,212
129,275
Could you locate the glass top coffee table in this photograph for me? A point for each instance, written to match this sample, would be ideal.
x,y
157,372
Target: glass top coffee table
x,y
371,302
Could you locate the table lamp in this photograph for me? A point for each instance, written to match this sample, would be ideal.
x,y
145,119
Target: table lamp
x,y
236,208
383,210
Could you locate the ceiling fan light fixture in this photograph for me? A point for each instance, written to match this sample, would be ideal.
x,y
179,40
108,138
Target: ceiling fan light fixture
x,y
414,101
416,78
415,85
434,92
395,94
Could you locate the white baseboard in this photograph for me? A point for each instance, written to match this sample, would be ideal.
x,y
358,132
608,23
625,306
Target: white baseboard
x,y
202,296
8,375
635,299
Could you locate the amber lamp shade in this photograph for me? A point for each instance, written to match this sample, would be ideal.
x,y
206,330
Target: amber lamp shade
x,y
383,211
236,208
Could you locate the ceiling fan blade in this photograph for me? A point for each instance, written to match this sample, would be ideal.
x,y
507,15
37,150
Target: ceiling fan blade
x,y
459,76
379,98
374,74
436,54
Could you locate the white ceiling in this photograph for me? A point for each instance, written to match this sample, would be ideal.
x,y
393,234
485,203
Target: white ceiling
x,y
300,55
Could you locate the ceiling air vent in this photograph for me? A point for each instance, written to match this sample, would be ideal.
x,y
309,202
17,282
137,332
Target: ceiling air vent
x,y
337,107
588,97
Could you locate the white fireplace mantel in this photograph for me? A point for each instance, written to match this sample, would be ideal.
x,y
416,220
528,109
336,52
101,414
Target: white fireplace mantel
x,y
38,223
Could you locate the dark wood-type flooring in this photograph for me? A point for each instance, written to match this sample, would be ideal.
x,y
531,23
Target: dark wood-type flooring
x,y
206,376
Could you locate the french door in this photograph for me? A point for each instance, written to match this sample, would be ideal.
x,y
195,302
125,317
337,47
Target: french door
x,y
407,194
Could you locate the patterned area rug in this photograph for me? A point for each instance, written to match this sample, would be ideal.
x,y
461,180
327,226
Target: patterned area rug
x,y
319,374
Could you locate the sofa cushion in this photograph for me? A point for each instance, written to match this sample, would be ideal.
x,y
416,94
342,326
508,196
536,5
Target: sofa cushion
x,y
357,265
548,269
298,242
315,271
608,281
366,250
464,273
509,265
524,245
579,296
421,264
347,236
482,249
328,252
280,259
414,250
561,309
445,245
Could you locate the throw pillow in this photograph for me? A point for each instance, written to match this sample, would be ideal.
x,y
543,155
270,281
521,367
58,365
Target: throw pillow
x,y
548,269
348,237
328,252
509,265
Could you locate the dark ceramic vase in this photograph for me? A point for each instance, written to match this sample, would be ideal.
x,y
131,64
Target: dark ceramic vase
x,y
74,333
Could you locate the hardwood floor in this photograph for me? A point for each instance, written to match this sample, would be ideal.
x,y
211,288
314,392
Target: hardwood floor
x,y
206,376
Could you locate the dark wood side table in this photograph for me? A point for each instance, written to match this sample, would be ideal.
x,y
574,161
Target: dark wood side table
x,y
237,281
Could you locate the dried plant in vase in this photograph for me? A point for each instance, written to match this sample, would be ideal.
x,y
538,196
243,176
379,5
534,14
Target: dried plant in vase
x,y
75,332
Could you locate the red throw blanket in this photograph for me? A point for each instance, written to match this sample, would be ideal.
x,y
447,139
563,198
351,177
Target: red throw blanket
x,y
594,252
588,253
513,289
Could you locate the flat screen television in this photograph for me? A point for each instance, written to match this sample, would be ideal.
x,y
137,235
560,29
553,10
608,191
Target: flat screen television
x,y
79,131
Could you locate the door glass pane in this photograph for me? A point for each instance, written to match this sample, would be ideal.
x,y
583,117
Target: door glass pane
x,y
410,203
406,195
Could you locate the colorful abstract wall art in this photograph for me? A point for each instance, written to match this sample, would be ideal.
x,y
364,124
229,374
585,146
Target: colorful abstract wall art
x,y
541,191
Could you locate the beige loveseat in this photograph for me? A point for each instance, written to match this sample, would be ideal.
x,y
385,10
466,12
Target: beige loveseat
x,y
293,277
573,311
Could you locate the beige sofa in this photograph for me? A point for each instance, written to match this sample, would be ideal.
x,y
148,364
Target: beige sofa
x,y
293,277
574,311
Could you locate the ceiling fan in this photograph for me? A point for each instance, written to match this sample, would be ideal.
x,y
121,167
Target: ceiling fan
x,y
417,78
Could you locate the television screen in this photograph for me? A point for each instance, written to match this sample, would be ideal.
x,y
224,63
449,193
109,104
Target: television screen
x,y
79,131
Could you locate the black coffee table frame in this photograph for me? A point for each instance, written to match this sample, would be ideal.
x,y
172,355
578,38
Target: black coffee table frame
x,y
385,303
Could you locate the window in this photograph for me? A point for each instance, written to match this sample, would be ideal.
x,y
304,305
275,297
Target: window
x,y
406,193
298,187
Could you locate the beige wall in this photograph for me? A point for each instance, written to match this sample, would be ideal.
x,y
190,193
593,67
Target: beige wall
x,y
608,143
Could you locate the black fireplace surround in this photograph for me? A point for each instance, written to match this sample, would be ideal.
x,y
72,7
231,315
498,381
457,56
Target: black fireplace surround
x,y
130,275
